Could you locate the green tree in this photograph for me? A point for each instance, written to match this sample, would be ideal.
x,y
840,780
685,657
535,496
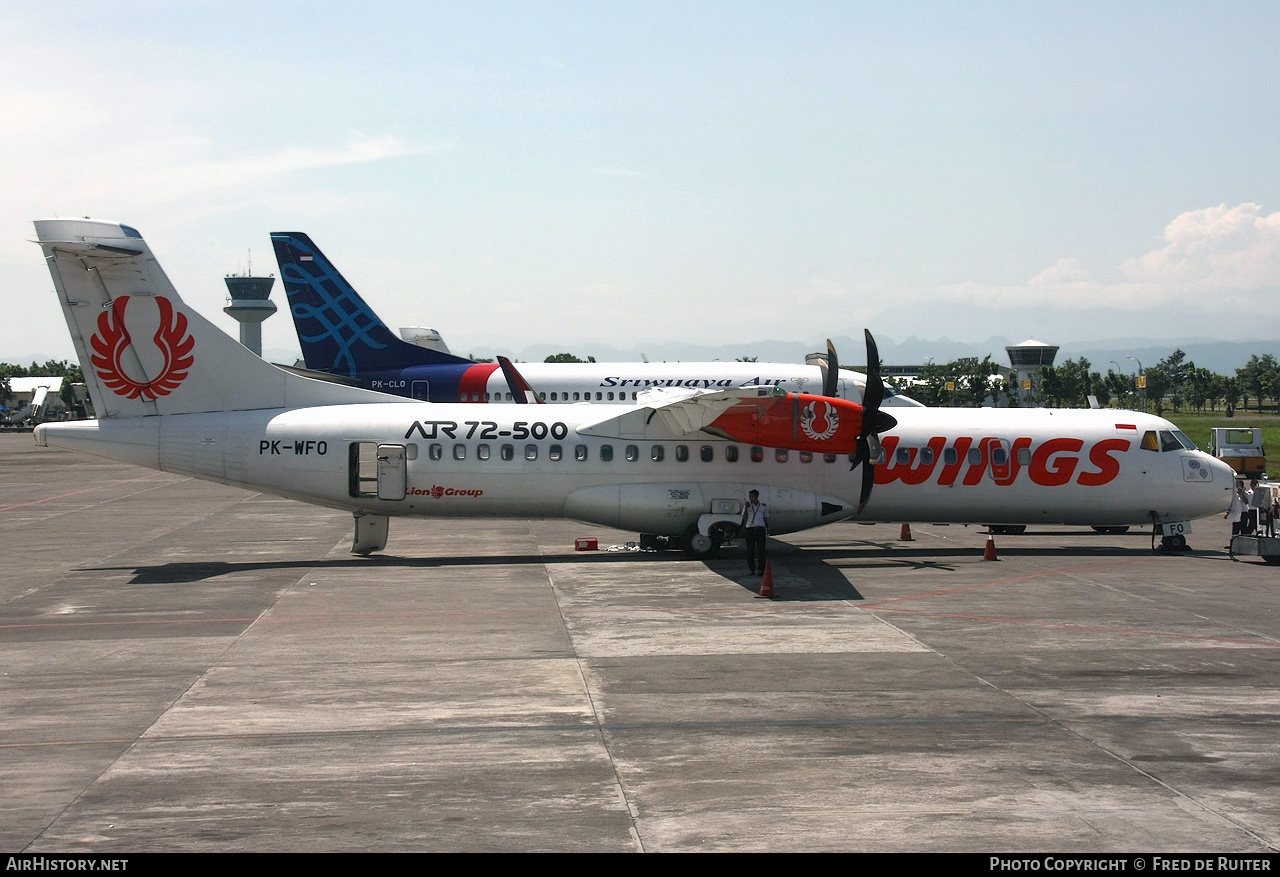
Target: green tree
x,y
1231,394
563,357
1158,384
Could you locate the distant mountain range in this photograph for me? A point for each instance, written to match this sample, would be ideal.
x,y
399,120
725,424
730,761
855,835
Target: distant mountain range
x,y
1220,356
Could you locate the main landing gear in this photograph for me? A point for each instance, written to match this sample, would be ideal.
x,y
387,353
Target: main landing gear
x,y
699,546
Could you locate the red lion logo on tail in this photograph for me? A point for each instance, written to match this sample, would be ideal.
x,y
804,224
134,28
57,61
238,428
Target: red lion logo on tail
x,y
112,339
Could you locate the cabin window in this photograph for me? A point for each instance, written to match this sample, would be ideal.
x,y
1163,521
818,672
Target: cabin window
x,y
656,453
902,456
828,458
707,453
606,453
757,453
731,453
531,452
610,395
806,456
435,452
576,396
508,453
781,455
553,397
599,395
682,453
949,456
1149,441
633,453
486,397
999,456
482,452
554,452
542,396
926,456
459,452
580,453
1024,456
975,456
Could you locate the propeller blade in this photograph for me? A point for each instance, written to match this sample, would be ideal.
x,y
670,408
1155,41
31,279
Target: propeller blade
x,y
868,481
874,422
874,394
521,392
830,371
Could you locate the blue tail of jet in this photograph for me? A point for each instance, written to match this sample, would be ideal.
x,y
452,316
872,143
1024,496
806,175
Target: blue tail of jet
x,y
338,331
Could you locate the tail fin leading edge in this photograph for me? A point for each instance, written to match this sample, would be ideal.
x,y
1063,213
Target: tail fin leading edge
x,y
338,331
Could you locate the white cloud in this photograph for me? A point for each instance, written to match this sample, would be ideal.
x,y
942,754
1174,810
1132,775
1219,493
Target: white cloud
x,y
1218,247
1217,257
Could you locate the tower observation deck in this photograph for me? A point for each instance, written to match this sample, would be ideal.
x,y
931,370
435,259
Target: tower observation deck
x,y
248,304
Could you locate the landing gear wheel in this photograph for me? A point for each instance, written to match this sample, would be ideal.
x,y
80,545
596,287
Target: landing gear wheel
x,y
723,532
697,546
1174,543
1111,531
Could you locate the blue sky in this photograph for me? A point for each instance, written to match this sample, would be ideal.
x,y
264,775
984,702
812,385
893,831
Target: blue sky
x,y
519,173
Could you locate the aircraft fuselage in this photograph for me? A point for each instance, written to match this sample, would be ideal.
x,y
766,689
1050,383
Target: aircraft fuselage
x,y
942,465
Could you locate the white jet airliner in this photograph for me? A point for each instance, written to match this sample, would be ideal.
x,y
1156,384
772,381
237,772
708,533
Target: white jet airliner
x,y
173,392
341,336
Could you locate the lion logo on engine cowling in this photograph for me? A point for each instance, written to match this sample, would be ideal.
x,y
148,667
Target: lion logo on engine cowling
x,y
171,340
819,420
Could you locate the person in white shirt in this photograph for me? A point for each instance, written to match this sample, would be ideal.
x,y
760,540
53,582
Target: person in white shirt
x,y
755,527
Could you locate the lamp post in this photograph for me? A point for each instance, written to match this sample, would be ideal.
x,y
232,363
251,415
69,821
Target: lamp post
x,y
1144,389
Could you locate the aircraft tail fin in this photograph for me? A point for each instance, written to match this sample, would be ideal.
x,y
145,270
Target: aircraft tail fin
x,y
338,331
142,349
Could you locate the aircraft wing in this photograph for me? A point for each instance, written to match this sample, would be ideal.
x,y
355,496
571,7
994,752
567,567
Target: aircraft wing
x,y
676,413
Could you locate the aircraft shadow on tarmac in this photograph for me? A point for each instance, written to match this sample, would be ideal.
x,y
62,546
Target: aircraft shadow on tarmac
x,y
813,573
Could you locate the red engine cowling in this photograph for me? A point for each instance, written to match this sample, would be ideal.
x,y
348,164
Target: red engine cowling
x,y
796,421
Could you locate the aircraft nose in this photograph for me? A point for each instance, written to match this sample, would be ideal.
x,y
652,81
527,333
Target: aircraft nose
x,y
1221,471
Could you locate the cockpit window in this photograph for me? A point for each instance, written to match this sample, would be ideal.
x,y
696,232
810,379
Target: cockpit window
x,y
1168,442
1186,442
1149,441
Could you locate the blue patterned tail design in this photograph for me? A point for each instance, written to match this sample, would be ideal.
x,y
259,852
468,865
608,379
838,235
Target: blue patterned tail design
x,y
338,331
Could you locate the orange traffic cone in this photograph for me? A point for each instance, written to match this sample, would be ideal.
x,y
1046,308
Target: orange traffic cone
x,y
905,535
766,582
990,553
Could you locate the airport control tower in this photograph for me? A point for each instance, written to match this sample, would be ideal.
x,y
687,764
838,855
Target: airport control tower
x,y
247,303
1027,359
1031,354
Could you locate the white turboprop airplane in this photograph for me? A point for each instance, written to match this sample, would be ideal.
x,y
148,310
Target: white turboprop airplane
x,y
173,392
